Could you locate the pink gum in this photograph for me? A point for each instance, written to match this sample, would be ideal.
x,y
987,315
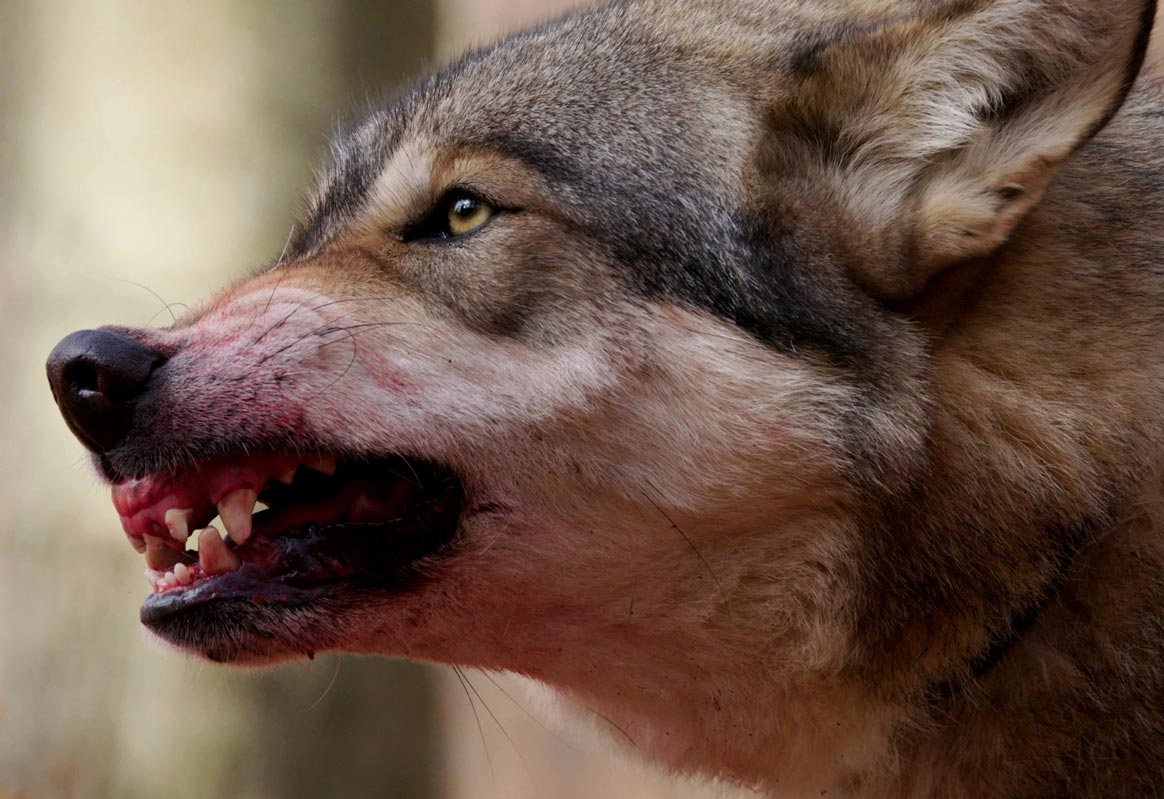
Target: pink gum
x,y
142,504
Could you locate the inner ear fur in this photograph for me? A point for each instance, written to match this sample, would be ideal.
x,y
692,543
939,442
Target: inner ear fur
x,y
948,120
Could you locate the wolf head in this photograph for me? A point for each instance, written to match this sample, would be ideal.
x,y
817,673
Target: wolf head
x,y
652,354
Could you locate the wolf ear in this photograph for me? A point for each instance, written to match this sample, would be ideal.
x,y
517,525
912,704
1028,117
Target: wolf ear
x,y
953,119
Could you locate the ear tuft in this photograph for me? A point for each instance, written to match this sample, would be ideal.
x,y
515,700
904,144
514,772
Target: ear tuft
x,y
967,210
956,118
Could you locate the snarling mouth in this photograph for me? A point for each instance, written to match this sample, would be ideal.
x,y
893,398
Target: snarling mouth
x,y
326,520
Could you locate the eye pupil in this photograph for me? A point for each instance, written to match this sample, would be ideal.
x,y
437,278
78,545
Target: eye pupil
x,y
465,207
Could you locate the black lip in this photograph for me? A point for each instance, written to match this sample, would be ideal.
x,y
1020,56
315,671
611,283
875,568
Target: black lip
x,y
160,610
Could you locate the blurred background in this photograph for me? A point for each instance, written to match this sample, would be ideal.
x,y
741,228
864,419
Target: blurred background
x,y
151,150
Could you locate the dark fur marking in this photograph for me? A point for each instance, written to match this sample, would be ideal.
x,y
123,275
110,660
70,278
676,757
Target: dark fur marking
x,y
355,170
1023,620
738,268
806,60
549,161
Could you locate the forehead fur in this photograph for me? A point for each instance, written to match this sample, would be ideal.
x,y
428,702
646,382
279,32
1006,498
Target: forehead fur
x,y
589,101
677,145
645,104
644,120
670,99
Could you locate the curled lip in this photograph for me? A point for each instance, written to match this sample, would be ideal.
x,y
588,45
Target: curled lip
x,y
329,519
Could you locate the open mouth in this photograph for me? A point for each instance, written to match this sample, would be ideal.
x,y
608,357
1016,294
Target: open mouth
x,y
326,519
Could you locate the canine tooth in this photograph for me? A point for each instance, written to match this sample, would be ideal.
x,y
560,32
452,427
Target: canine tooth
x,y
213,553
178,523
182,573
288,476
235,509
327,465
158,555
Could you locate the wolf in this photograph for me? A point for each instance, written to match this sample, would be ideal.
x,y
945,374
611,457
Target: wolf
x,y
779,383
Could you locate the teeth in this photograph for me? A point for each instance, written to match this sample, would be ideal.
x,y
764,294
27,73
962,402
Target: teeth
x,y
182,574
158,555
160,581
213,554
287,477
236,509
178,523
327,465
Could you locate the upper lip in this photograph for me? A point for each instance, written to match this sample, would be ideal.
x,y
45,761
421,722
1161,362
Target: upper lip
x,y
231,486
311,531
159,513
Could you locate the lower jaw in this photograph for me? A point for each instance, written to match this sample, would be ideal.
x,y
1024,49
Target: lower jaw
x,y
284,580
238,620
242,631
294,591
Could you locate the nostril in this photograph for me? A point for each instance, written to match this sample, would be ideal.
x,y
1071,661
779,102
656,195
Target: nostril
x,y
82,377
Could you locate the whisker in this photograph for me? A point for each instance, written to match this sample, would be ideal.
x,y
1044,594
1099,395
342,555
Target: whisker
x,y
326,690
167,306
348,368
278,282
612,724
270,297
529,715
500,726
416,476
356,299
278,324
286,244
290,345
480,729
686,538
327,330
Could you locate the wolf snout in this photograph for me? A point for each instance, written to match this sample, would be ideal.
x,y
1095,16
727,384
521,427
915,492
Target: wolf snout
x,y
96,377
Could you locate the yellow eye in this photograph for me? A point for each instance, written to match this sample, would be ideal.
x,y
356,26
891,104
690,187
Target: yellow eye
x,y
467,213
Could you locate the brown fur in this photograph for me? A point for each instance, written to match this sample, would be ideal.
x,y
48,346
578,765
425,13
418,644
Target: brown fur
x,y
884,501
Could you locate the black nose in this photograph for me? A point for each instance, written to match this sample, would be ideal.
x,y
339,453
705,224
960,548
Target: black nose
x,y
96,377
